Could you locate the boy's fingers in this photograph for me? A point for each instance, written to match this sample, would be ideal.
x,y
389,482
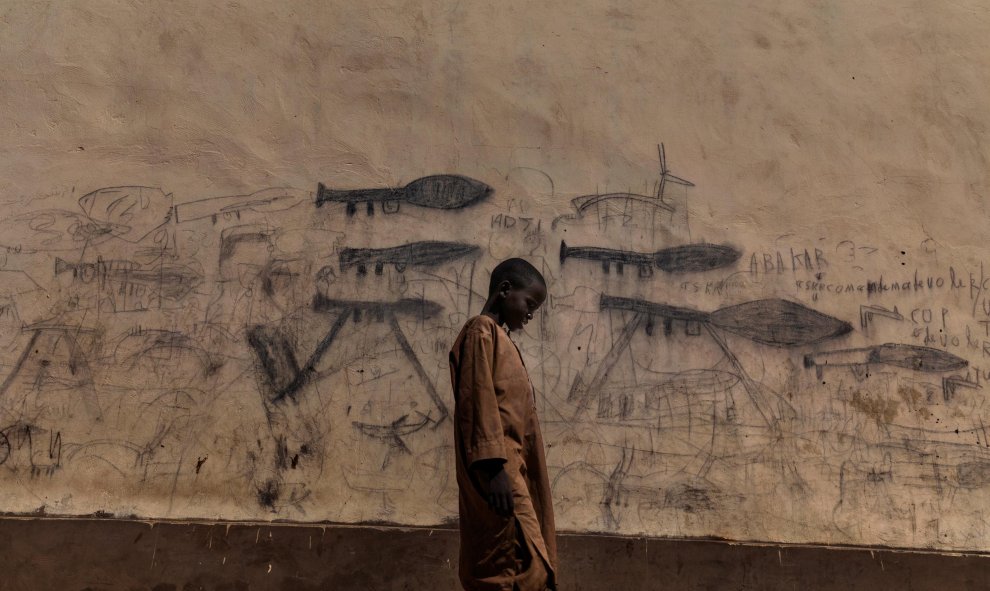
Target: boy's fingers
x,y
501,504
495,500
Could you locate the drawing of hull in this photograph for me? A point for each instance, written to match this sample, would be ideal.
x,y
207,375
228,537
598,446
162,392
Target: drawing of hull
x,y
779,323
168,281
443,191
905,356
56,230
689,258
269,201
586,202
696,258
416,254
607,257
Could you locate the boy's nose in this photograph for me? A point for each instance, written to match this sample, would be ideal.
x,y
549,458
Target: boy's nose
x,y
529,315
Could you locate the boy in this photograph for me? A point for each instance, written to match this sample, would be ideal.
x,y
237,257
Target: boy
x,y
507,532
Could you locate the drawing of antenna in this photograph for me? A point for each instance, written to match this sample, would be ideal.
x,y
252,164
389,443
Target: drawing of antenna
x,y
665,174
442,191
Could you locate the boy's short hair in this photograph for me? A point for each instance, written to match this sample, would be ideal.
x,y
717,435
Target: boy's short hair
x,y
519,273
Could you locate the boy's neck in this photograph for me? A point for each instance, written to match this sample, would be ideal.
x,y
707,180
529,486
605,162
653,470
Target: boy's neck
x,y
491,310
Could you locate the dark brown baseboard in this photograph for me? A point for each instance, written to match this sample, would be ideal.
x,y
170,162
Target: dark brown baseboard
x,y
109,554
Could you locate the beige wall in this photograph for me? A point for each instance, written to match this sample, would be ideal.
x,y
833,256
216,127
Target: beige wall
x,y
145,306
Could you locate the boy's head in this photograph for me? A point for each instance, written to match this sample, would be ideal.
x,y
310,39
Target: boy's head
x,y
516,291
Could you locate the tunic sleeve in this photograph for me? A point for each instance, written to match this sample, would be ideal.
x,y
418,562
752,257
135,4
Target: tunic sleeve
x,y
476,409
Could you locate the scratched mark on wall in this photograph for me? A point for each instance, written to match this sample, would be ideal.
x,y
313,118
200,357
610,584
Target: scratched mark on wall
x,y
272,353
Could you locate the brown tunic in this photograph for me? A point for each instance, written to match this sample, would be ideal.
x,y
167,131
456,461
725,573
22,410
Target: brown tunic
x,y
495,417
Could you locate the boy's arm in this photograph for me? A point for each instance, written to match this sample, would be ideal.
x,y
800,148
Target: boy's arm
x,y
478,417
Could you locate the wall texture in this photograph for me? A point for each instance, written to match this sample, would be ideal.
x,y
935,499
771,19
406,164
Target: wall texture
x,y
229,277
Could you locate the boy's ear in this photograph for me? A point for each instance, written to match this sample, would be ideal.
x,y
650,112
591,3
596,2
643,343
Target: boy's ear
x,y
504,287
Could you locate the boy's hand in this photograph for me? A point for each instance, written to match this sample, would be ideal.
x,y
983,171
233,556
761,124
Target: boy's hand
x,y
499,488
500,494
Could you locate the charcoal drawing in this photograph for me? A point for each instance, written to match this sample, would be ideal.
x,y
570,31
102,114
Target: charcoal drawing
x,y
269,343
